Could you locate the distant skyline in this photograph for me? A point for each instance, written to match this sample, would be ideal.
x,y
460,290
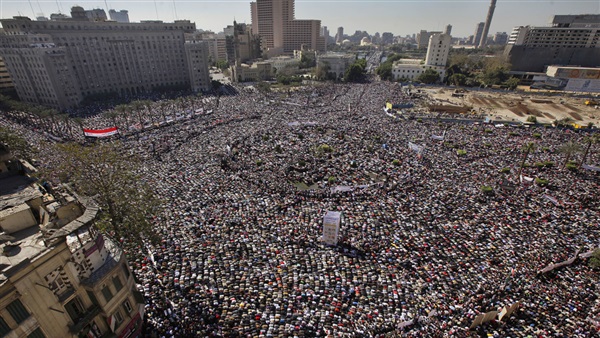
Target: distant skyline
x,y
401,17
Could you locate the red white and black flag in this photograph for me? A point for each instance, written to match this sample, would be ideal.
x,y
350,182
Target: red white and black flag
x,y
100,132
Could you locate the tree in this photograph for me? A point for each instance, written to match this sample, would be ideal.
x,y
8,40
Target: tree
x,y
569,149
495,71
457,79
356,71
429,76
322,71
385,71
595,259
527,148
15,144
222,64
589,140
102,172
512,83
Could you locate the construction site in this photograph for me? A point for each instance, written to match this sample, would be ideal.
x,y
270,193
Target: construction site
x,y
515,106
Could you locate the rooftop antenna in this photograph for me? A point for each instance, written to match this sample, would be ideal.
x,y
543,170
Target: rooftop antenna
x,y
106,4
40,7
175,10
156,9
58,6
32,11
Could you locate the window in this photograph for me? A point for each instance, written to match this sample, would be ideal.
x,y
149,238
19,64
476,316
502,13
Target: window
x,y
4,328
37,334
75,309
127,306
117,282
17,311
118,318
107,293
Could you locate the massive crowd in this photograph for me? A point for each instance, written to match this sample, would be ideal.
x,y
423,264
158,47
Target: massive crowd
x,y
422,250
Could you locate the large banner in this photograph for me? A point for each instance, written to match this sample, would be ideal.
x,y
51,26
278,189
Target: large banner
x,y
331,227
100,132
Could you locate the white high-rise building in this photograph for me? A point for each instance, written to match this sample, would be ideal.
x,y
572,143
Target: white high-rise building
x,y
438,50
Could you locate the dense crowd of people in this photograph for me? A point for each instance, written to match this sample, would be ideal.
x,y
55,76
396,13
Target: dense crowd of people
x,y
422,250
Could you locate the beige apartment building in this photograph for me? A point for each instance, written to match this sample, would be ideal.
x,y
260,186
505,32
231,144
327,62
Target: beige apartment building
x,y
59,63
59,277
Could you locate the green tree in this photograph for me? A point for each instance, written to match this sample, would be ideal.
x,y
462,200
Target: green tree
x,y
429,76
512,83
15,144
222,64
495,71
356,71
102,172
595,259
457,79
569,149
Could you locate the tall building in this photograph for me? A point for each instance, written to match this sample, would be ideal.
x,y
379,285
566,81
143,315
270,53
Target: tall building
x,y
339,37
438,50
325,35
500,38
242,45
120,16
448,30
58,64
423,38
570,40
280,32
59,276
488,23
478,33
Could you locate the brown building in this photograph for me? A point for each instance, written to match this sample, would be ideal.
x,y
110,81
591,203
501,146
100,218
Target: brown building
x,y
280,31
59,277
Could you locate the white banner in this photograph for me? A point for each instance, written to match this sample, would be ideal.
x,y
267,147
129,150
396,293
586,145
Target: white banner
x,y
590,167
415,147
437,137
331,227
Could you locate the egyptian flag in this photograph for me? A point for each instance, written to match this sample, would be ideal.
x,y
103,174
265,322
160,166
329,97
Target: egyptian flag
x,y
100,132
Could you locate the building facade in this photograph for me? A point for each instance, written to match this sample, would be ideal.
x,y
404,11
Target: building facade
x,y
59,63
570,40
438,50
339,37
121,16
59,276
280,32
423,38
337,63
478,33
5,79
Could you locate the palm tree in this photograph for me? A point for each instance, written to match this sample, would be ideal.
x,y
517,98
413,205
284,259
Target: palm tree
x,y
527,148
122,110
589,140
569,149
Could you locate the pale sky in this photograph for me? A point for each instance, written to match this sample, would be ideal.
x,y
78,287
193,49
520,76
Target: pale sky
x,y
401,17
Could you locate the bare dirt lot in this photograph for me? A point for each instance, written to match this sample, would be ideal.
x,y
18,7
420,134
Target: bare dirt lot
x,y
517,106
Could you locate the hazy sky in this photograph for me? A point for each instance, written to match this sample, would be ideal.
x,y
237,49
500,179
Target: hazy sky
x,y
400,17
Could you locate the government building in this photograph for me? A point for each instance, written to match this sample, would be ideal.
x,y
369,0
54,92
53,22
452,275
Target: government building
x,y
60,63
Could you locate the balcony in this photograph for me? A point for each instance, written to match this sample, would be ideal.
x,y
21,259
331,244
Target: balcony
x,y
91,312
